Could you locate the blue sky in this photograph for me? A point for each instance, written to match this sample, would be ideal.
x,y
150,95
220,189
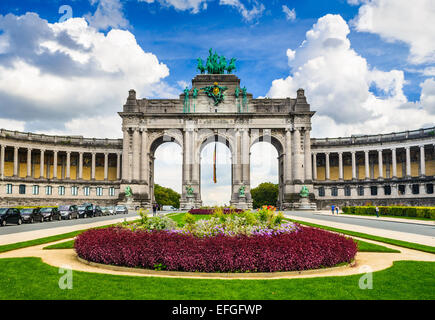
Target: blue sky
x,y
179,37
367,66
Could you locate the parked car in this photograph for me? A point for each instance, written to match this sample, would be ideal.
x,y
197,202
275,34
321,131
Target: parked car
x,y
121,209
169,208
50,214
111,210
108,211
85,210
31,215
10,215
69,212
97,211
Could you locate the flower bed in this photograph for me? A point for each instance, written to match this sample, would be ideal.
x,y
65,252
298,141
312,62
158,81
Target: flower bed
x,y
308,248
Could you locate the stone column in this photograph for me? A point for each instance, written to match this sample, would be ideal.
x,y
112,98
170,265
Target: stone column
x,y
68,165
125,155
408,162
380,165
297,162
307,156
367,164
136,154
245,156
196,160
118,166
106,166
15,161
41,165
288,157
327,173
422,162
354,177
2,161
340,166
186,158
93,166
394,162
80,165
144,161
314,166
55,164
29,162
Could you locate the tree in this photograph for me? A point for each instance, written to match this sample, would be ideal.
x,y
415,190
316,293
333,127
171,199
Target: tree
x,y
166,196
265,194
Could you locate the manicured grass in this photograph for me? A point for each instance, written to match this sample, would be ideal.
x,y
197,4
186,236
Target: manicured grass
x,y
25,244
63,245
399,243
371,247
30,243
30,278
178,217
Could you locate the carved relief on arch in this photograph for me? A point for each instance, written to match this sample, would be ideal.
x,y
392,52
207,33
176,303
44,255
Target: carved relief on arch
x,y
158,137
274,136
205,136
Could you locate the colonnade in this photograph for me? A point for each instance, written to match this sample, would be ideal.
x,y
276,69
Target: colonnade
x,y
381,153
56,153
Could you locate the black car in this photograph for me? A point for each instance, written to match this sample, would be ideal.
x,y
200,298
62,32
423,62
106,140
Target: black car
x,y
97,211
50,214
121,209
10,215
69,212
85,210
31,215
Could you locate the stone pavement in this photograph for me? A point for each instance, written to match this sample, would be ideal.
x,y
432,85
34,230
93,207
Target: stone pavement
x,y
409,237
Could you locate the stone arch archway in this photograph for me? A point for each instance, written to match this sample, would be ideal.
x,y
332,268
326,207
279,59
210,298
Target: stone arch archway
x,y
237,121
277,140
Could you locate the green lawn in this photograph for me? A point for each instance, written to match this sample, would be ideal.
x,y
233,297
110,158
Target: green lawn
x,y
29,278
399,243
63,245
30,243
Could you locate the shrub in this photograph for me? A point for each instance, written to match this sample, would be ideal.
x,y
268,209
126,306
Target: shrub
x,y
309,248
398,211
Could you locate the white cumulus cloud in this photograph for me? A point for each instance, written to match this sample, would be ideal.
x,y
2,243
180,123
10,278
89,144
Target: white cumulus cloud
x,y
338,83
69,78
401,20
109,14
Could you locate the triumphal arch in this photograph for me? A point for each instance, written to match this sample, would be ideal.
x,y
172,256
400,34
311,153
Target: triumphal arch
x,y
216,108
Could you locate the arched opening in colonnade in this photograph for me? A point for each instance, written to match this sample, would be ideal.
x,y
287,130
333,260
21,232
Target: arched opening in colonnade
x,y
266,164
218,193
165,165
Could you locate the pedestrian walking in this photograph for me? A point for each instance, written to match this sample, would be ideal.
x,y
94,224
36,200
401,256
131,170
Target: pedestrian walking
x,y
336,209
154,209
377,212
332,208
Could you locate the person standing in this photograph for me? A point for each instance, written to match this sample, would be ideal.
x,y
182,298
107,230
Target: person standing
x,y
336,209
332,208
377,211
154,209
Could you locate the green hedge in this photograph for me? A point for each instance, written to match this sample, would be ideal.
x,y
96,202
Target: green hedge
x,y
395,211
